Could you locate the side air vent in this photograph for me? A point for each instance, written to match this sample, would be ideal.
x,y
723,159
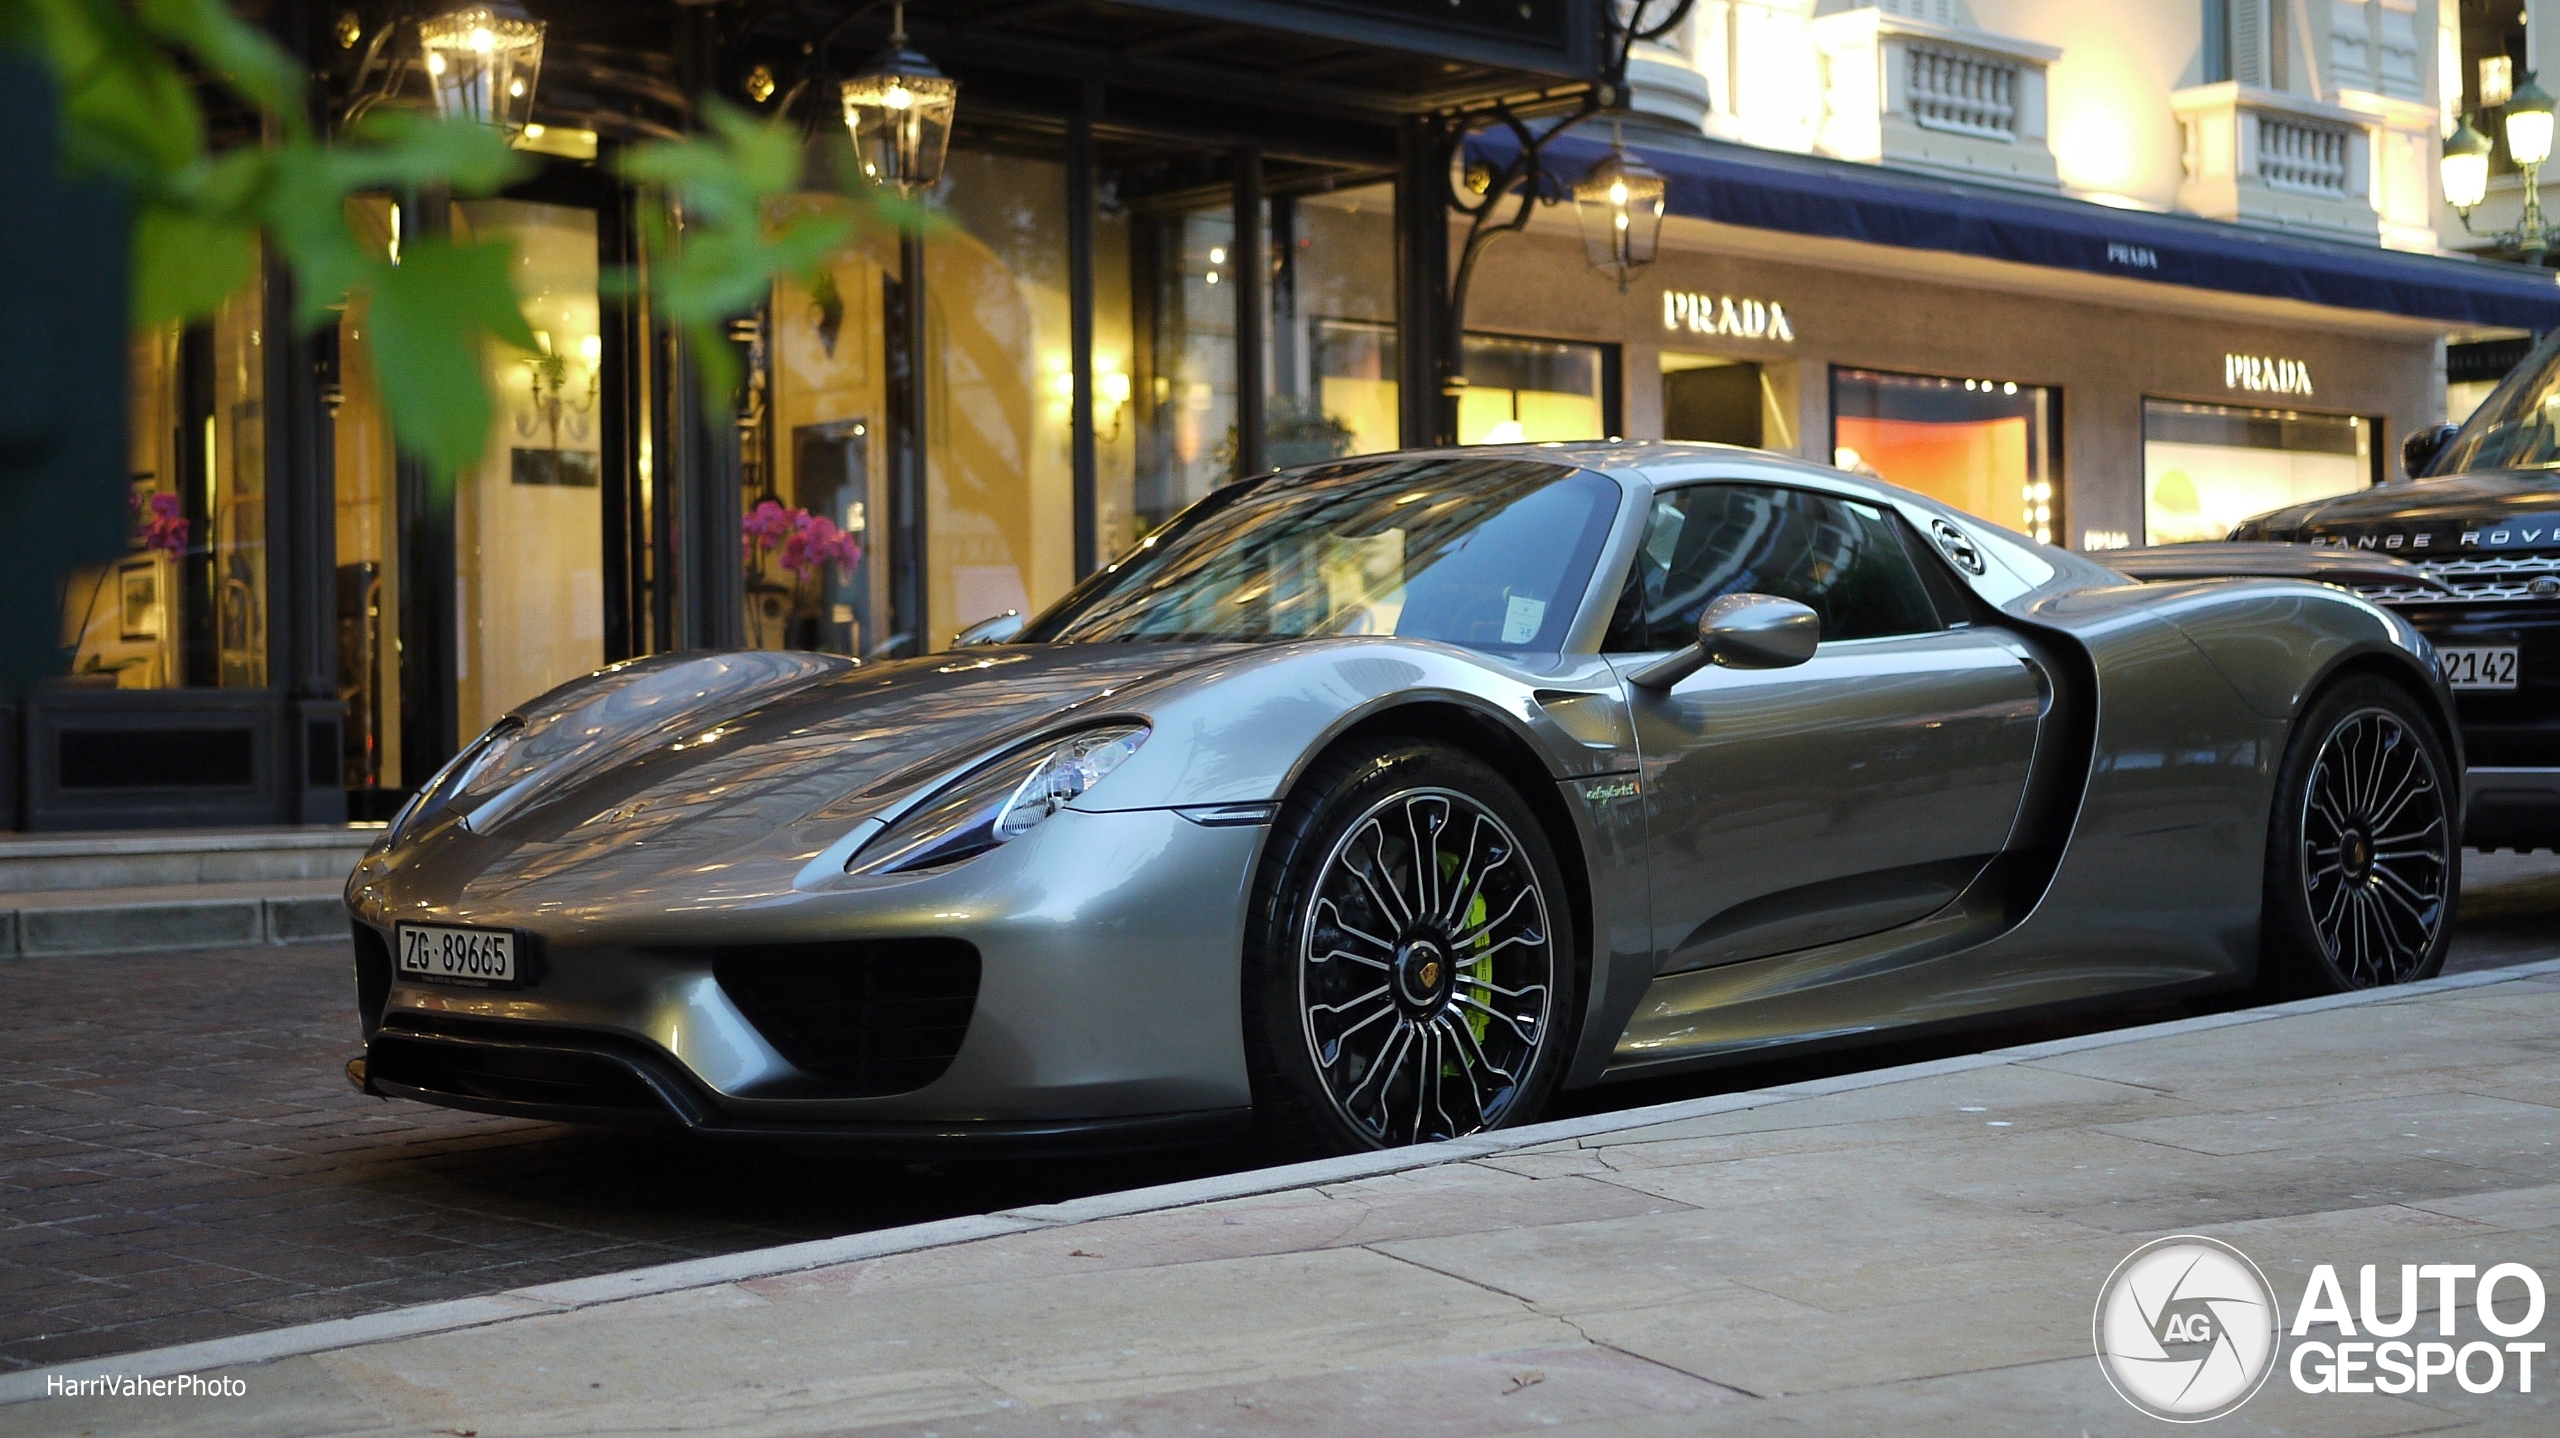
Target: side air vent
x,y
881,1016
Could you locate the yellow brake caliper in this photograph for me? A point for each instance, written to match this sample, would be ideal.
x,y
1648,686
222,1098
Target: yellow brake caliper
x,y
1480,973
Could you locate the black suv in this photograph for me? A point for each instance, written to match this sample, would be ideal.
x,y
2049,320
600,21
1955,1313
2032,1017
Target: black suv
x,y
2482,518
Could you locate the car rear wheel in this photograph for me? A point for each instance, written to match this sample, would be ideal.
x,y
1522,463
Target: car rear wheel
x,y
2363,862
1411,972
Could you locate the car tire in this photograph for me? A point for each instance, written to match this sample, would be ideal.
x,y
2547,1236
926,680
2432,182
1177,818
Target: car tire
x,y
2363,859
1389,1002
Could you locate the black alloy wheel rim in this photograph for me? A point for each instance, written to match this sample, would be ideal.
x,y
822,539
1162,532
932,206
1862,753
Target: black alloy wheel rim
x,y
2376,850
1427,971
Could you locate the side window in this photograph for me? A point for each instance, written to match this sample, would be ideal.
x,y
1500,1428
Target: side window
x,y
1842,559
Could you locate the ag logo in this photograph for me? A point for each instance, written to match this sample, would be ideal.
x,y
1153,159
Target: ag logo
x,y
2186,1329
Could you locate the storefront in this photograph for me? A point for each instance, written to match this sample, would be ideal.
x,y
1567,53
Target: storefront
x,y
1176,246
2090,404
1178,243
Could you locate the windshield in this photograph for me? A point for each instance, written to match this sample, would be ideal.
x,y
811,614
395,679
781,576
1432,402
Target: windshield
x,y
2517,426
1486,553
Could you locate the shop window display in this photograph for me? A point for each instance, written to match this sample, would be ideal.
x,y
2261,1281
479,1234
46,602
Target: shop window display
x,y
1983,446
1528,390
366,477
186,606
1190,400
529,517
2206,467
1329,346
999,519
1332,331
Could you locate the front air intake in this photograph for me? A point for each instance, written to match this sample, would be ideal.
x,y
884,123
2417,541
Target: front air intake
x,y
881,1016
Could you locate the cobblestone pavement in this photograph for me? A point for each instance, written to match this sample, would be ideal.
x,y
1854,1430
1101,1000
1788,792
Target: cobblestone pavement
x,y
180,1157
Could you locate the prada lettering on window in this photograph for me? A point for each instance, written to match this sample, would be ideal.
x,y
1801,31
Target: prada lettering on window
x,y
2263,374
1748,319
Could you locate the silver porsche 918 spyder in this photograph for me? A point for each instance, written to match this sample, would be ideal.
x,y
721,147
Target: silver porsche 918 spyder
x,y
1373,803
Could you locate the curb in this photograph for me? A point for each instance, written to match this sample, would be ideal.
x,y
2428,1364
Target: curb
x,y
168,925
457,1314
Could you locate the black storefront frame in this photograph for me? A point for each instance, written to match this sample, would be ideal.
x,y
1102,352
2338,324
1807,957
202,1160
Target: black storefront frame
x,y
672,573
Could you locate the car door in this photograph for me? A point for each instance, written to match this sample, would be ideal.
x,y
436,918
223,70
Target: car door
x,y
1863,789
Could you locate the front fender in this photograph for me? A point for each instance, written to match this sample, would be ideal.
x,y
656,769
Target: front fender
x,y
1240,731
2278,641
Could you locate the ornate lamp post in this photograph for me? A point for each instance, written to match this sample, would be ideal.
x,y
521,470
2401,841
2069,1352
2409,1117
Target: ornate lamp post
x,y
2465,169
482,62
899,110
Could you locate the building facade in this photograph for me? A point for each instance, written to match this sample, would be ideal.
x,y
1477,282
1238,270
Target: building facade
x,y
2055,320
2107,274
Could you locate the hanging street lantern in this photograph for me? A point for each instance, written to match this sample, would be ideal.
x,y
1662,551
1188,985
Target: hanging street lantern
x,y
482,62
1620,205
899,110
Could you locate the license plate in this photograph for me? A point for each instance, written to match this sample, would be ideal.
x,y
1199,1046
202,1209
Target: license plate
x,y
2479,667
445,954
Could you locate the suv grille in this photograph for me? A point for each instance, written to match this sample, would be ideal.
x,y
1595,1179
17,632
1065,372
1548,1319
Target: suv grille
x,y
2507,579
883,1016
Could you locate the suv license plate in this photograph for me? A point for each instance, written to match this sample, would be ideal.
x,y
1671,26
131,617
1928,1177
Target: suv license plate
x,y
2479,667
445,954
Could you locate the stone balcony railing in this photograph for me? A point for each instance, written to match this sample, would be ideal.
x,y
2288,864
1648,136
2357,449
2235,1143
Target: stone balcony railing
x,y
2262,157
1915,93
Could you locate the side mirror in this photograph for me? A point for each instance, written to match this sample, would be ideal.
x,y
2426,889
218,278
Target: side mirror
x,y
1740,631
998,630
2422,446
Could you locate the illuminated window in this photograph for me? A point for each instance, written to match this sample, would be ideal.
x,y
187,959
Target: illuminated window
x,y
2206,467
1984,446
1527,390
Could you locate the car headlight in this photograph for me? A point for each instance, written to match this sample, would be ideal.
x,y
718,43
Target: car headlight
x,y
455,777
1000,802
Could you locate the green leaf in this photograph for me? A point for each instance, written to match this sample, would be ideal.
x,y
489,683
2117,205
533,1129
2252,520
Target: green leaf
x,y
187,262
126,107
430,321
253,65
396,149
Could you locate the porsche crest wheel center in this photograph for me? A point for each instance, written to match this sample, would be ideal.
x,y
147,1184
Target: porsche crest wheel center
x,y
1420,969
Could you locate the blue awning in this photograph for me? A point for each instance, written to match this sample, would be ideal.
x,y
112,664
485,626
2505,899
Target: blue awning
x,y
1738,185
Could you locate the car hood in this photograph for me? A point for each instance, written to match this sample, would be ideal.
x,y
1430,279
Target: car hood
x,y
2490,513
739,777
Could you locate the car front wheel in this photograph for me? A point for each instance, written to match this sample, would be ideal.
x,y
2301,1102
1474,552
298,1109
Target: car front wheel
x,y
2364,862
1412,972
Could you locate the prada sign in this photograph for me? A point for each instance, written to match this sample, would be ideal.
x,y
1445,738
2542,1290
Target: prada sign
x,y
1689,312
2263,374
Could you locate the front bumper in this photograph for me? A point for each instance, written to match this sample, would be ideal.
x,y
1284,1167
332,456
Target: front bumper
x,y
2511,808
2511,737
1108,999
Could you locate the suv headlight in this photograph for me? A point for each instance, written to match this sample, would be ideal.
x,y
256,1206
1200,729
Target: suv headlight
x,y
1000,802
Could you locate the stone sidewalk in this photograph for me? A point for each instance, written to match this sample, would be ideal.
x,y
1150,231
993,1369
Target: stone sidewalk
x,y
1904,1251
